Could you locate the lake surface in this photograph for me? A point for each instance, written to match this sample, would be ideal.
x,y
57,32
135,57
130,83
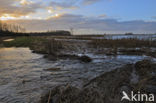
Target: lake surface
x,y
137,36
23,78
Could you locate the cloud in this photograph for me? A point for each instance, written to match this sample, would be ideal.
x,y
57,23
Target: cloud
x,y
61,6
88,2
84,25
15,8
25,2
153,17
58,19
102,16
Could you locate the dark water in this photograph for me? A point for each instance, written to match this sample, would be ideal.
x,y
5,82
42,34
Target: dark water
x,y
23,78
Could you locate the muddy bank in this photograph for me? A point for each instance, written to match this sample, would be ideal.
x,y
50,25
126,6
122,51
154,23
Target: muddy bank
x,y
108,87
83,58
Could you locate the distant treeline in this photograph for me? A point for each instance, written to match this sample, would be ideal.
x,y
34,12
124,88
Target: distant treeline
x,y
11,28
50,33
54,33
16,30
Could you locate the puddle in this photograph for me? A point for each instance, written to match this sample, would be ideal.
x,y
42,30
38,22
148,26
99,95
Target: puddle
x,y
7,40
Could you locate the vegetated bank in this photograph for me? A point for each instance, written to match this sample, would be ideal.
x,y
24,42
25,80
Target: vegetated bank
x,y
47,45
129,46
108,87
55,47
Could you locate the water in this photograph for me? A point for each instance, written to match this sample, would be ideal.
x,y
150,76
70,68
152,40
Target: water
x,y
23,78
137,36
7,40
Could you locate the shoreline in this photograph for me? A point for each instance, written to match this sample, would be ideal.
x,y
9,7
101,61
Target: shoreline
x,y
108,87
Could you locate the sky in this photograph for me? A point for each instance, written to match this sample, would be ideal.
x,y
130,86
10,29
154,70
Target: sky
x,y
83,16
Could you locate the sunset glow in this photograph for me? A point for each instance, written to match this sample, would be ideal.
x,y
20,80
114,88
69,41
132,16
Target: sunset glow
x,y
56,15
7,17
50,11
25,2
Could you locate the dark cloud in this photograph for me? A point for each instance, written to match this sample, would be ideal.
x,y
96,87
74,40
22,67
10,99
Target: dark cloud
x,y
79,22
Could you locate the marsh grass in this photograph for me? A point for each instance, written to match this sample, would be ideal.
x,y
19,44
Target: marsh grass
x,y
36,43
125,43
53,46
107,87
22,42
126,46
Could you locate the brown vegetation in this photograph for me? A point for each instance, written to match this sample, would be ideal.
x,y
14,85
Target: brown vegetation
x,y
108,87
126,43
